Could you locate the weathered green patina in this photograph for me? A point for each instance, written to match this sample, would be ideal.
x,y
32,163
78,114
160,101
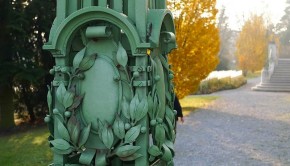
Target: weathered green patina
x,y
111,100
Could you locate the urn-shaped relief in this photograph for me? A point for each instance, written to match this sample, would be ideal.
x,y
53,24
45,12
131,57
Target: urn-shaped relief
x,y
106,83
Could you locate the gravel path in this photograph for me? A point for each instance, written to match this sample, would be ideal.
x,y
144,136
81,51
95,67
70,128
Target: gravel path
x,y
242,127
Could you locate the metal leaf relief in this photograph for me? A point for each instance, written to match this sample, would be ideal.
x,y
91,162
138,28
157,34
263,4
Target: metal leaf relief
x,y
122,57
74,129
119,128
60,92
170,145
167,155
141,110
84,135
77,101
87,62
155,104
68,99
87,156
107,136
132,134
154,151
132,157
49,99
169,123
101,159
60,144
127,150
58,151
169,113
150,106
168,132
63,132
160,134
125,108
78,58
133,106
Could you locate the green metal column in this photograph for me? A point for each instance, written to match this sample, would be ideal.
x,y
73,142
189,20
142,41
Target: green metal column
x,y
61,10
141,8
73,5
103,3
117,5
112,89
88,3
142,91
131,9
160,4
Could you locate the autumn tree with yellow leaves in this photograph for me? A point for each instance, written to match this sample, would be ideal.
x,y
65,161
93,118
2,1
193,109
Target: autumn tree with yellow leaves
x,y
198,43
252,45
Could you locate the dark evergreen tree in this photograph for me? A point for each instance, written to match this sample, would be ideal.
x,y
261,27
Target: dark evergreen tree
x,y
24,27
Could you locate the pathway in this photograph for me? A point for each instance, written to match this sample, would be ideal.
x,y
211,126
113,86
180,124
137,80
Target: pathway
x,y
242,127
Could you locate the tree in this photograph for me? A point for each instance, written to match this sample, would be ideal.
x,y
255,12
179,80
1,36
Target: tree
x,y
252,45
198,43
225,35
7,67
24,27
284,26
283,29
33,77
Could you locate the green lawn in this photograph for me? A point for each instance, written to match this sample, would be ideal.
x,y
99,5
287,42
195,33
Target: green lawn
x,y
28,148
190,103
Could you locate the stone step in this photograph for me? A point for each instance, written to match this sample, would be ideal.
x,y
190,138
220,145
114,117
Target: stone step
x,y
282,65
284,62
280,81
275,86
281,74
282,68
262,87
280,77
270,89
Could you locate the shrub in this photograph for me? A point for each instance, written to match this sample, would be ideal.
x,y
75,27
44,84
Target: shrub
x,y
215,84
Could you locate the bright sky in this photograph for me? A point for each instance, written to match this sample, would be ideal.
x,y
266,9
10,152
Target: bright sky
x,y
239,10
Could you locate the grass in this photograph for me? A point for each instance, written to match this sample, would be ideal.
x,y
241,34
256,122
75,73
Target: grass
x,y
190,103
26,148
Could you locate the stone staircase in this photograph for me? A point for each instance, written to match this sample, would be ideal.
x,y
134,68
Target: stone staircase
x,y
280,79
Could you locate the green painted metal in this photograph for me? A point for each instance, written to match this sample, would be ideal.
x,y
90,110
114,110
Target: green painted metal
x,y
112,91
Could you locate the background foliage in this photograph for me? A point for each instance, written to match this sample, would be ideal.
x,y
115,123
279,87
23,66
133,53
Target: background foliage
x,y
252,45
24,27
198,43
